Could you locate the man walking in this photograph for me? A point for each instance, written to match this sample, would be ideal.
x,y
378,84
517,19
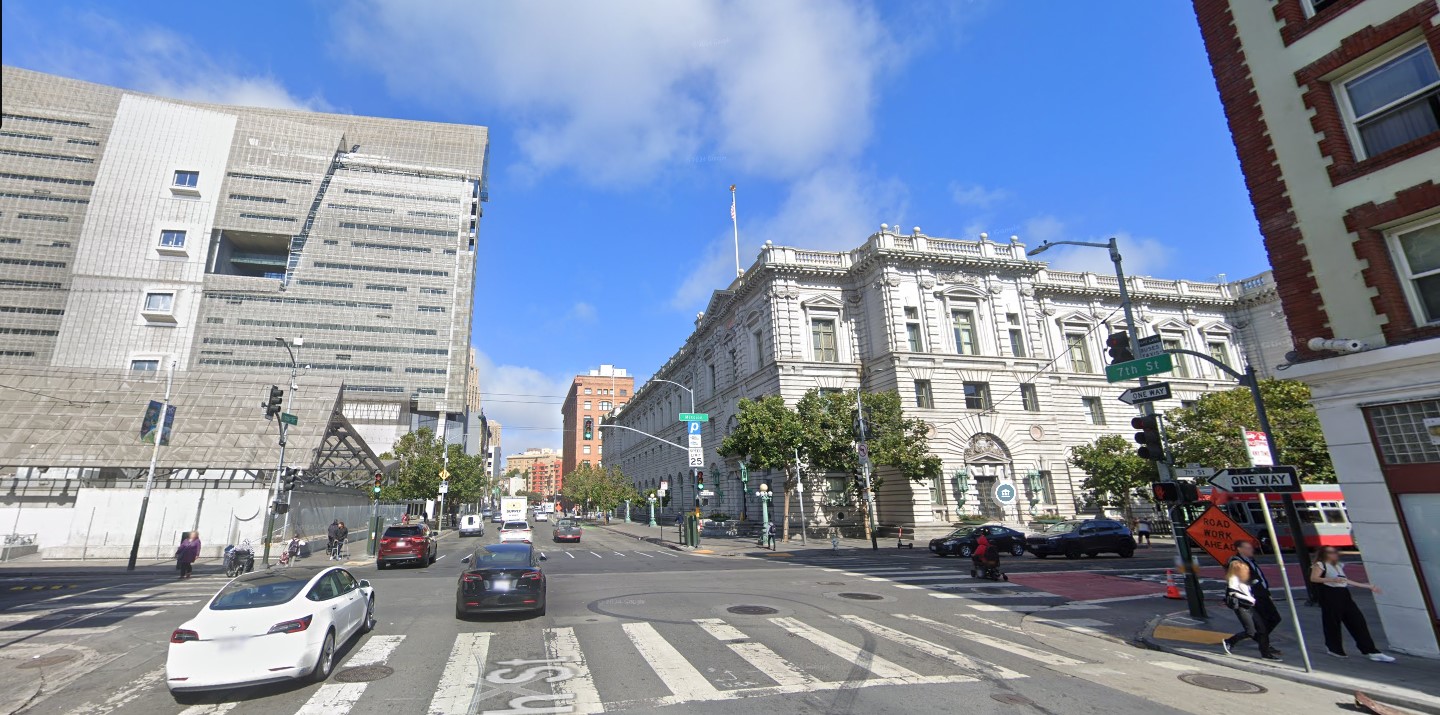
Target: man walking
x,y
1247,592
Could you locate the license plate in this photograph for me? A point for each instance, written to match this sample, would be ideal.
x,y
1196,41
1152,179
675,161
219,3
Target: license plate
x,y
401,542
500,585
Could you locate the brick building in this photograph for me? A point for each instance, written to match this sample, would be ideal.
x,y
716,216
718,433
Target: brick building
x,y
591,398
1334,106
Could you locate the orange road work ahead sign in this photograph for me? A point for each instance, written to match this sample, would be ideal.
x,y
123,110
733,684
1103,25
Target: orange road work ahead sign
x,y
1217,533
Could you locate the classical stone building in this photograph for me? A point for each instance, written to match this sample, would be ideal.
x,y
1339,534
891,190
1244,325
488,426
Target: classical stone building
x,y
1001,355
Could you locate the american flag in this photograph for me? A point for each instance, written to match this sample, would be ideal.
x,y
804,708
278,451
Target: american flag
x,y
732,202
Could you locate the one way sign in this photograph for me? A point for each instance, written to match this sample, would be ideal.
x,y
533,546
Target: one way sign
x,y
1257,480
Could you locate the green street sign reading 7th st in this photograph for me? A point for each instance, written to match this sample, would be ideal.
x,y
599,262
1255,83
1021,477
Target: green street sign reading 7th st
x,y
1139,368
694,417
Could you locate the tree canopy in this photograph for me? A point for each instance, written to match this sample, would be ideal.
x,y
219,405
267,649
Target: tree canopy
x,y
1114,469
1209,431
421,456
602,488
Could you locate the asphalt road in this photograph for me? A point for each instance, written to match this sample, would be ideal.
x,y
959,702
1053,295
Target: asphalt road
x,y
637,627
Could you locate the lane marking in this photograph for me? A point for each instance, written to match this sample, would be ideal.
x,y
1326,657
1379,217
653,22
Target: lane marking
x,y
993,623
934,650
561,645
567,553
617,553
845,650
1036,594
124,695
767,661
921,577
598,556
684,681
462,673
375,651
1002,644
642,553
441,556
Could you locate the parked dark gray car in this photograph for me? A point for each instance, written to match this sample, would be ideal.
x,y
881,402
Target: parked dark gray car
x,y
1089,537
567,530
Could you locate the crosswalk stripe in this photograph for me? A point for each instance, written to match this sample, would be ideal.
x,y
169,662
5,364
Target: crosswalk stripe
x,y
457,684
124,695
756,654
561,645
993,623
997,643
334,698
209,709
375,650
946,595
843,649
684,681
933,650
1030,608
918,577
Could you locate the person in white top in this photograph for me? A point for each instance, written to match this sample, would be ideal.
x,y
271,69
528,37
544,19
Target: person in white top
x,y
1337,607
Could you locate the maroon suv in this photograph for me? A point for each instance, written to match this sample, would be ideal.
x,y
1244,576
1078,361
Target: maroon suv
x,y
410,543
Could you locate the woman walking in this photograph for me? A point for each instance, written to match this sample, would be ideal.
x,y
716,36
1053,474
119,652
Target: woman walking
x,y
187,552
1338,607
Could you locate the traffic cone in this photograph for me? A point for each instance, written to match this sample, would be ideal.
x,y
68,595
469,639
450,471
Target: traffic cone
x,y
1171,591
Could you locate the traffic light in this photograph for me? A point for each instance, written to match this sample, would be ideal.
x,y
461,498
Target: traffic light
x,y
1189,493
378,477
1166,492
274,402
699,481
589,428
291,478
281,507
864,428
1119,344
1148,437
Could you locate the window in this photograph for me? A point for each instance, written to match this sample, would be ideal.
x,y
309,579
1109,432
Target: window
x,y
172,239
923,395
835,488
186,179
1079,348
937,492
159,302
1028,398
1017,342
1395,102
145,365
977,395
1315,7
1182,369
912,329
964,324
624,392
1096,410
1217,350
587,404
605,405
587,391
757,348
585,449
822,339
1186,404
1417,260
714,384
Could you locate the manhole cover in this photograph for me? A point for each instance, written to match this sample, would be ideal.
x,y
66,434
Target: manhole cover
x,y
47,661
364,673
752,610
831,583
1222,683
1011,699
861,596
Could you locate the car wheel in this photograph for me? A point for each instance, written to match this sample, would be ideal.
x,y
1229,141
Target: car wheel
x,y
1017,550
966,550
326,661
424,562
1072,554
379,565
369,623
459,613
1126,553
1092,554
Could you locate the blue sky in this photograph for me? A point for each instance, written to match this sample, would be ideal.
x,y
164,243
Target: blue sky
x,y
617,128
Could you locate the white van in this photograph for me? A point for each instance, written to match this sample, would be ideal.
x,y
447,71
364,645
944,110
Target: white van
x,y
472,525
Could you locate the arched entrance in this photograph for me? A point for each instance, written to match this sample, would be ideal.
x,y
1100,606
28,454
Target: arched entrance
x,y
988,463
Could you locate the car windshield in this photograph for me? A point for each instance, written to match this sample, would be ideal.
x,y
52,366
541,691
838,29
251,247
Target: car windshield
x,y
403,531
1064,527
265,590
507,559
564,523
961,532
514,526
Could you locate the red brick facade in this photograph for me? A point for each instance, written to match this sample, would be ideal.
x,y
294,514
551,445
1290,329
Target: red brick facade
x,y
1366,222
1319,95
1296,25
615,390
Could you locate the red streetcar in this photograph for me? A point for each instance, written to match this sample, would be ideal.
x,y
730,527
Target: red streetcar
x,y
1323,517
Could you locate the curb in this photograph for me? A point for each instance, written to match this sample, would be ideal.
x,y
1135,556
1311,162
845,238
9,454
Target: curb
x,y
1381,693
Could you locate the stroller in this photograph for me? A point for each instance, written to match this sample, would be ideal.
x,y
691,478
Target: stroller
x,y
986,564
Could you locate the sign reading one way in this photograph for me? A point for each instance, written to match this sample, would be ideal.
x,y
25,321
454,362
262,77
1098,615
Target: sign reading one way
x,y
1216,533
1257,480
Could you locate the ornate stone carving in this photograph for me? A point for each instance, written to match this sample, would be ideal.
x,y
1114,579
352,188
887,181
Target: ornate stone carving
x,y
986,446
927,282
1027,290
958,277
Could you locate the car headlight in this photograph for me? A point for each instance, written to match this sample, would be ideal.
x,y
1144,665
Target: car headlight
x,y
952,542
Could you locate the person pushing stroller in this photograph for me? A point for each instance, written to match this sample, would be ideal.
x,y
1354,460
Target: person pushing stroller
x,y
986,561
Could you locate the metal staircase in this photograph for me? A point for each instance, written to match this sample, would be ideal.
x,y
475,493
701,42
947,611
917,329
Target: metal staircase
x,y
297,242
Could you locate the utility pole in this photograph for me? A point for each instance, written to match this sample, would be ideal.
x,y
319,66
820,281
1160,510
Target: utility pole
x,y
150,477
280,468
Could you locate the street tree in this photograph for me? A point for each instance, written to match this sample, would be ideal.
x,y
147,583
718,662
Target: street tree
x,y
1209,432
1113,470
766,436
421,455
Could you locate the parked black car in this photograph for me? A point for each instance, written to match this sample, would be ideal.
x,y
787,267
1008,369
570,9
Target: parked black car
x,y
1088,536
961,542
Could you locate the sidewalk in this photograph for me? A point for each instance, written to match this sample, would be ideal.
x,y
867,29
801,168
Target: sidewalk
x,y
668,535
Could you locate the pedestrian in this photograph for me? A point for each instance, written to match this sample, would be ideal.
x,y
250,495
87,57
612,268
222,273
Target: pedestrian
x,y
332,537
1247,592
1142,532
186,553
834,539
344,538
1337,607
405,519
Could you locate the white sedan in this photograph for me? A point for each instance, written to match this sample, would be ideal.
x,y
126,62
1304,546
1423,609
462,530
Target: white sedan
x,y
268,626
515,531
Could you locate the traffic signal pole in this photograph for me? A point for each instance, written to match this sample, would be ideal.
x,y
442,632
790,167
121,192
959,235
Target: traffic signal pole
x,y
150,476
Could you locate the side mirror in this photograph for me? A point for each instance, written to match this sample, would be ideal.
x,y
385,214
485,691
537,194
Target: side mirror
x,y
465,560
364,583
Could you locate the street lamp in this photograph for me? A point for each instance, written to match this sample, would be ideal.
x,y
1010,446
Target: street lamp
x,y
284,429
765,496
650,499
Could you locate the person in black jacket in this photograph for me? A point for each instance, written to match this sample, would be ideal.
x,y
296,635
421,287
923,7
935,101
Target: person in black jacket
x,y
332,535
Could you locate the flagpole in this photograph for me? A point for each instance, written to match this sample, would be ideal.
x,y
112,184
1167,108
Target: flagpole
x,y
736,226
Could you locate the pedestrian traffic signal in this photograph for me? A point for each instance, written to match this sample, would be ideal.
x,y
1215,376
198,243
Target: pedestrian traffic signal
x,y
1119,344
1148,437
1166,492
1189,493
273,403
589,428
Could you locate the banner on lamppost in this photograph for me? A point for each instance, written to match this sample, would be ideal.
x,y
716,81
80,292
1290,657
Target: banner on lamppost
x,y
152,417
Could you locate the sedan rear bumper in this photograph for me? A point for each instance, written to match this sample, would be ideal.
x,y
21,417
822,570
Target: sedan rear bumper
x,y
501,603
212,665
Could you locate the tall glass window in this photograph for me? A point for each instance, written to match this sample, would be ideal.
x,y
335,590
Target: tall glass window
x,y
822,339
964,324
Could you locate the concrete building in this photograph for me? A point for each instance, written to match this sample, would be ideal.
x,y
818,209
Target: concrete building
x,y
538,468
141,231
590,399
1335,110
1001,355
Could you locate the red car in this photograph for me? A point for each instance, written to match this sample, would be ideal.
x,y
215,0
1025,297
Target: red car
x,y
412,543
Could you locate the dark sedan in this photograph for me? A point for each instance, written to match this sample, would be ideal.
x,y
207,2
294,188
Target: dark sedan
x,y
962,541
501,578
567,530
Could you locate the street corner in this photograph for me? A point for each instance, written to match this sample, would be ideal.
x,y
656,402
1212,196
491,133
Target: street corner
x,y
29,672
1178,630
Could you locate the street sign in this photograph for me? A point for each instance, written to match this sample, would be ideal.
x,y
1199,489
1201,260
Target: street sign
x,y
695,442
1258,448
1139,368
444,474
1257,480
697,457
694,417
289,419
664,485
694,428
707,493
444,487
1005,493
863,450
1216,533
1150,346
1149,393
1194,472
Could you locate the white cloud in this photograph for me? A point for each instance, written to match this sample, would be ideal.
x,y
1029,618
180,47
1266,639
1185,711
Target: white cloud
x,y
155,60
622,91
1142,256
582,311
830,210
522,397
1041,229
975,195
